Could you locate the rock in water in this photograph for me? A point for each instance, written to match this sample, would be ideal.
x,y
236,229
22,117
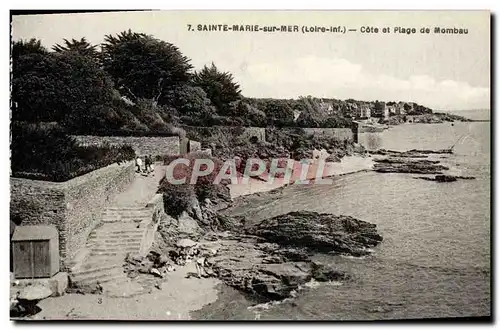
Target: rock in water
x,y
320,232
324,273
404,165
445,178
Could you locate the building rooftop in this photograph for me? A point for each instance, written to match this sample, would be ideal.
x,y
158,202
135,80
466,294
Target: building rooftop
x,y
31,233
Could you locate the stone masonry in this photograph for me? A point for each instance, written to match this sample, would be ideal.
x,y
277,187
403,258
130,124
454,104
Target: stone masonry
x,y
143,145
74,207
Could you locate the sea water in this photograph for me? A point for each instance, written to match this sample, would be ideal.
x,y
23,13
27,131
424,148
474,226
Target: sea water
x,y
435,258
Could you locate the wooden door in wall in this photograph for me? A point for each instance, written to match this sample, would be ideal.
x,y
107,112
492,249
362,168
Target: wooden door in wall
x,y
41,258
22,259
32,259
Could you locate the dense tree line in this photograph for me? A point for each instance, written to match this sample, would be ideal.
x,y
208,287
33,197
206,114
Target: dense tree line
x,y
134,82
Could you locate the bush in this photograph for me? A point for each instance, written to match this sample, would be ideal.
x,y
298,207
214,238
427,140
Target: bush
x,y
49,154
190,101
176,198
278,112
179,197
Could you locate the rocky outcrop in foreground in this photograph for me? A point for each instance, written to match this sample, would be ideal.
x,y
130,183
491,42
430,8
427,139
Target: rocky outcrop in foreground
x,y
273,258
266,270
319,232
269,260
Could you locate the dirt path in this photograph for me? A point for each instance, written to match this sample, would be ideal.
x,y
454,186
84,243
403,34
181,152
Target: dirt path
x,y
178,296
142,189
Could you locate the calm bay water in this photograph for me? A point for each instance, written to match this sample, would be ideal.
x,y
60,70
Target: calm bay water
x,y
435,257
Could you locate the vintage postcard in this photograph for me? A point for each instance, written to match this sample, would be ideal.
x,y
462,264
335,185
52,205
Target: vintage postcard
x,y
250,165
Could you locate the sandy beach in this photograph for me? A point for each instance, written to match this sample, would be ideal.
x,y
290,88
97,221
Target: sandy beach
x,y
348,164
177,298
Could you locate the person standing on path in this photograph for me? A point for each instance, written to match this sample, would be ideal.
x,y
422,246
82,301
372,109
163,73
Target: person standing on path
x,y
138,163
148,164
151,166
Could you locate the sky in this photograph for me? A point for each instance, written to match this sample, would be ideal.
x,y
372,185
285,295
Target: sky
x,y
443,72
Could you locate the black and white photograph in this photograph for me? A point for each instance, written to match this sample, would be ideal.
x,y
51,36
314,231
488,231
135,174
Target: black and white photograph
x,y
250,165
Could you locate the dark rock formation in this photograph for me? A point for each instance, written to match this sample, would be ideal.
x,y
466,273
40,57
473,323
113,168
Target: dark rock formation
x,y
413,153
440,151
393,160
406,165
446,178
319,232
324,273
425,118
266,270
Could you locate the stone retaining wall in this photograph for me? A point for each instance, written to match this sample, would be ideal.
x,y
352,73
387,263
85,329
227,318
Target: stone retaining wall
x,y
74,207
258,133
143,145
339,133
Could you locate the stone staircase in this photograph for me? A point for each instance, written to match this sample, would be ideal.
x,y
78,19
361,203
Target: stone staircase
x,y
126,226
122,230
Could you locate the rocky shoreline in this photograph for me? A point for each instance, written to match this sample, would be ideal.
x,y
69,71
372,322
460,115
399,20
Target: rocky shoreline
x,y
273,258
269,260
411,161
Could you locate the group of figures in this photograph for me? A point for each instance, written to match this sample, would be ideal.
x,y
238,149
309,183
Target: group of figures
x,y
188,251
148,165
